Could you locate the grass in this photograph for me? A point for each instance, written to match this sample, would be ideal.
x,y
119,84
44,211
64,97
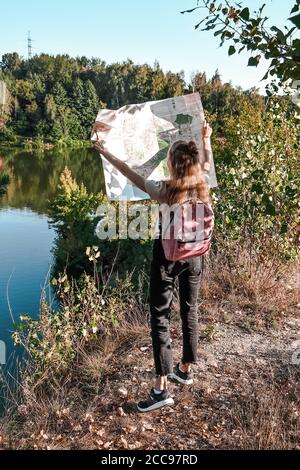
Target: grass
x,y
248,290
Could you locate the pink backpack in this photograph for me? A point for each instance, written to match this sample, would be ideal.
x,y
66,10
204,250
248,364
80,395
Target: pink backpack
x,y
189,231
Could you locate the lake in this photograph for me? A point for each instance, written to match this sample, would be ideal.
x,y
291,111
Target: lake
x,y
26,239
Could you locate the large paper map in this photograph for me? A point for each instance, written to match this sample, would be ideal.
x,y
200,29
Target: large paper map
x,y
141,134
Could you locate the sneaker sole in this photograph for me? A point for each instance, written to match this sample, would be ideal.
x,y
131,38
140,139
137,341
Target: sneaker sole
x,y
180,380
156,406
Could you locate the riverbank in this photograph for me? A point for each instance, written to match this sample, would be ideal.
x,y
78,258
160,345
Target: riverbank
x,y
246,390
40,144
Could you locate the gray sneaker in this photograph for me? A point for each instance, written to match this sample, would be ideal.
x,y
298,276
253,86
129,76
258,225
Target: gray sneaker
x,y
184,378
155,401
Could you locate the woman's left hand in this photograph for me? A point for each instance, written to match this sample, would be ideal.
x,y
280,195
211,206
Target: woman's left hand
x,y
99,146
101,127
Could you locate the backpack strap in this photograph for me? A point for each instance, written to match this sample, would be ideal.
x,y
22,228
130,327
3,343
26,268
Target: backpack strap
x,y
198,201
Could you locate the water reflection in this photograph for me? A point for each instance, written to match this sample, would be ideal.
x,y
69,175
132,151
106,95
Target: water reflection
x,y
34,177
26,240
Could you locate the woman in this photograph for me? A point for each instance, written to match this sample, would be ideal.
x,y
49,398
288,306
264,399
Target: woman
x,y
187,180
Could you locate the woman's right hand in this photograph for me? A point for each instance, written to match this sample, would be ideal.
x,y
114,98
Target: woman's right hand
x,y
207,130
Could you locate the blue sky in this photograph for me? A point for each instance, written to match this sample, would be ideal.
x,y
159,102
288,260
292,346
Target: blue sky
x,y
143,30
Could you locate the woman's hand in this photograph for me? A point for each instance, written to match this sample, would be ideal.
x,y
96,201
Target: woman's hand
x,y
207,131
100,147
101,127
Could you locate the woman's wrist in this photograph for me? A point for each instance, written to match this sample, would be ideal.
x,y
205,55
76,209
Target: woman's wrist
x,y
207,144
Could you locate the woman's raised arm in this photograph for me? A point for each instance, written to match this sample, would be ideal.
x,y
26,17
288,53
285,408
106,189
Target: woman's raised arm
x,y
134,177
207,131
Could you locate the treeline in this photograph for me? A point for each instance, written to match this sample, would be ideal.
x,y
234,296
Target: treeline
x,y
57,97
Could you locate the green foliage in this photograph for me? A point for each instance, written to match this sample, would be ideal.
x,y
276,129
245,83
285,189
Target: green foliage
x,y
259,177
221,100
73,214
57,97
10,62
54,341
4,182
250,31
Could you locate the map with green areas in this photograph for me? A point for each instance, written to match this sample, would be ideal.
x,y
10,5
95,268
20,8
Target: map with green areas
x,y
141,135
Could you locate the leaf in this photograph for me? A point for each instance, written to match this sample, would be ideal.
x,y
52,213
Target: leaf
x,y
257,188
295,20
280,35
197,25
296,47
295,74
189,11
220,31
231,50
253,61
262,8
284,228
291,31
295,8
270,209
227,34
245,14
213,20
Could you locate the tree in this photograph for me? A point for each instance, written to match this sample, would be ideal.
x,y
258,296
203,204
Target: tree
x,y
10,62
78,103
57,97
91,105
85,104
243,29
60,95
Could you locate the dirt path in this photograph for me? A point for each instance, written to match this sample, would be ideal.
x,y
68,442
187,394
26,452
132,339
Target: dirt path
x,y
244,395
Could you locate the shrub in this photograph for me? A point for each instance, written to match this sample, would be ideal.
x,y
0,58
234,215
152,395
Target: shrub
x,y
73,214
56,338
259,179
